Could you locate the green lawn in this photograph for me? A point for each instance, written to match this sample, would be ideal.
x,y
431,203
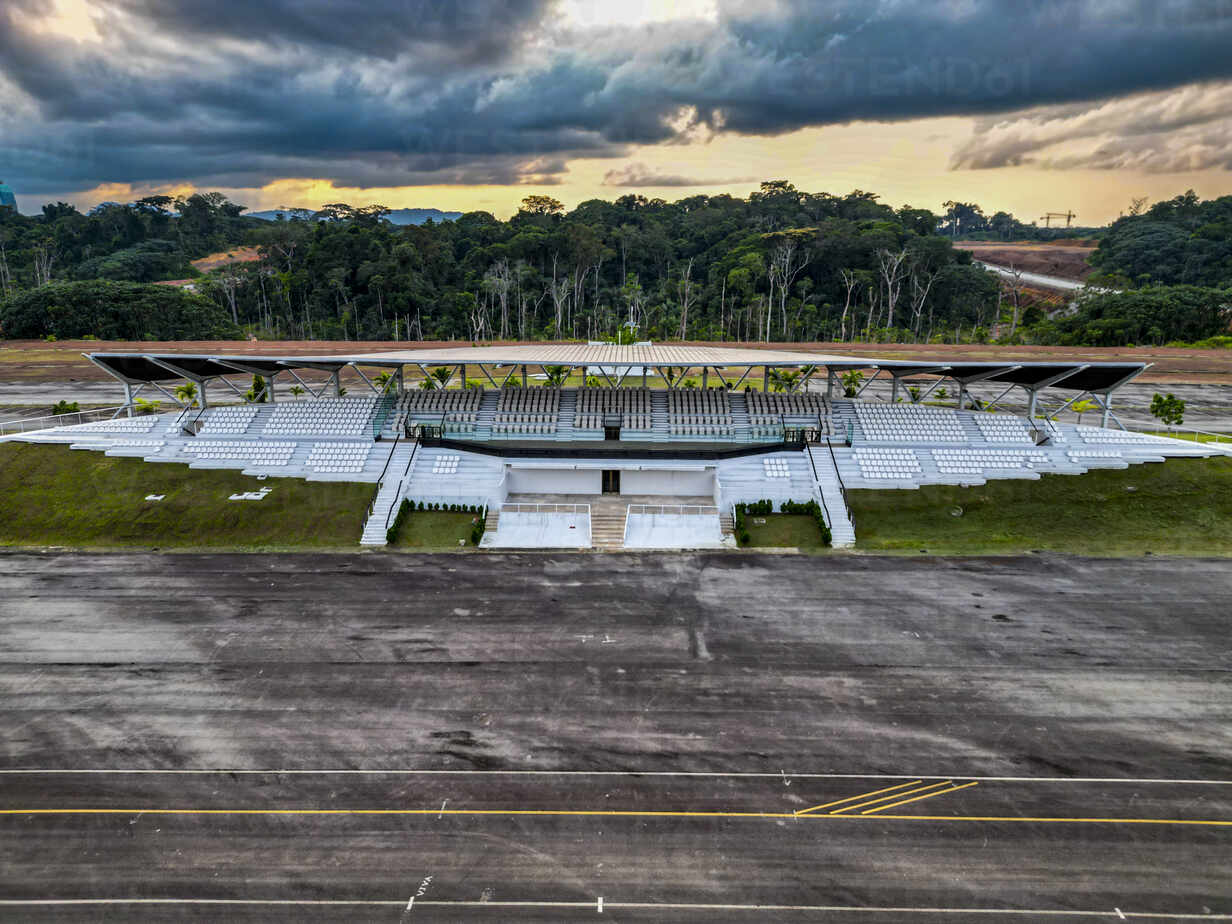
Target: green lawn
x,y
782,531
55,496
1179,507
435,529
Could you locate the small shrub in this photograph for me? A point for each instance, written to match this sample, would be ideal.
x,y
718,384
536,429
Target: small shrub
x,y
404,510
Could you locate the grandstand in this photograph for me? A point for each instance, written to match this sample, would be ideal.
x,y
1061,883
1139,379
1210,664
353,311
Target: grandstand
x,y
644,457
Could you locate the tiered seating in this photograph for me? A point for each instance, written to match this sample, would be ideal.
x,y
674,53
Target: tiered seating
x,y
776,468
631,404
323,416
228,420
460,405
527,411
1098,435
338,458
769,407
887,463
251,452
117,425
445,465
699,413
1095,456
1003,428
908,423
126,443
977,461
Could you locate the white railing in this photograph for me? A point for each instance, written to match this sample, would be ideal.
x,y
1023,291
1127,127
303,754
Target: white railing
x,y
691,510
545,508
30,424
1222,441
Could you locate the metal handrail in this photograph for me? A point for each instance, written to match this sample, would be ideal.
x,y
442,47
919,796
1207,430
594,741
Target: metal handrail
x,y
842,488
381,477
402,480
62,419
545,508
683,509
817,481
1217,436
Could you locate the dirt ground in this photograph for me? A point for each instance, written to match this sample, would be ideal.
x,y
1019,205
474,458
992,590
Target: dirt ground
x,y
32,361
226,258
1067,260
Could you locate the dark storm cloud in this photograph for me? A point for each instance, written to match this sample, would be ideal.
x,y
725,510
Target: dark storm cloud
x,y
384,93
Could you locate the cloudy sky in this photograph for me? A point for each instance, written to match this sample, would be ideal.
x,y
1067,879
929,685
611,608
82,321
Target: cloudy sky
x,y
1025,105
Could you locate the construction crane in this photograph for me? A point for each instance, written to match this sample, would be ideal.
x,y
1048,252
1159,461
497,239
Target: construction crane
x,y
1047,217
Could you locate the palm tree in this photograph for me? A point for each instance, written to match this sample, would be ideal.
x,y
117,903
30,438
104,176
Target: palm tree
x,y
1082,407
296,391
851,380
784,379
442,374
383,380
187,392
145,406
556,375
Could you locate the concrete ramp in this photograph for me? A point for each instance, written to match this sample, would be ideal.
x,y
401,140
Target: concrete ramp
x,y
672,527
541,526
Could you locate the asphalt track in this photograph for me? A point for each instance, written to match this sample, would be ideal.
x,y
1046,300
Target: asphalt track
x,y
720,737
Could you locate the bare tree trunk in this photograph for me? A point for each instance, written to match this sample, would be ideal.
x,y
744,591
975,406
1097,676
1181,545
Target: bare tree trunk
x,y
686,294
850,282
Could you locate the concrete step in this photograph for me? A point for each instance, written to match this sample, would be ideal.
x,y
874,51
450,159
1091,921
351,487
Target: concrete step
x,y
607,529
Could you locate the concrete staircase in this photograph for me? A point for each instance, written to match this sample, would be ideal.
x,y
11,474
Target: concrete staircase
x,y
607,525
842,530
491,521
727,526
487,414
389,494
739,414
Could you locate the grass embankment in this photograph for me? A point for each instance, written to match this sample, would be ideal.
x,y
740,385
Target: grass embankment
x,y
1180,507
435,529
783,531
55,496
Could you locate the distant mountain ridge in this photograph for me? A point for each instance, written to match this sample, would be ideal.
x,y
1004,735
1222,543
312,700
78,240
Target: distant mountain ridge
x,y
396,216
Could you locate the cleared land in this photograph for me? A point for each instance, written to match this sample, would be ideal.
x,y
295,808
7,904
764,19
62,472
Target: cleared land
x,y
1088,701
55,496
1065,260
1179,507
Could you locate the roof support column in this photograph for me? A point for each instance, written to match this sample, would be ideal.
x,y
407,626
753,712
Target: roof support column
x,y
128,398
336,378
765,379
705,377
893,388
831,379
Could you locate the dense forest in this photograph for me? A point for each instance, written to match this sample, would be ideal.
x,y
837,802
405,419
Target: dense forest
x,y
781,265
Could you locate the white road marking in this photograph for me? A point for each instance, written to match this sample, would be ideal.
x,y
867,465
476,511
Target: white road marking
x,y
600,904
717,774
442,814
629,906
411,903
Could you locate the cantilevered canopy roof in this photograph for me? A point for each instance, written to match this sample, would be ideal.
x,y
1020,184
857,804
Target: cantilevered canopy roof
x,y
167,367
607,354
162,367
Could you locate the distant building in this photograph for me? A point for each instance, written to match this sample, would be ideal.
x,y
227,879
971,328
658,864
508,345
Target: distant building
x,y
7,197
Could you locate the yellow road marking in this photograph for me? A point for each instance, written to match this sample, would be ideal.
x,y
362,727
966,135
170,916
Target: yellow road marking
x,y
616,813
939,792
848,808
863,795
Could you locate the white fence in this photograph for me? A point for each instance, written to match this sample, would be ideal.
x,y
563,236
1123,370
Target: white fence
x,y
31,424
